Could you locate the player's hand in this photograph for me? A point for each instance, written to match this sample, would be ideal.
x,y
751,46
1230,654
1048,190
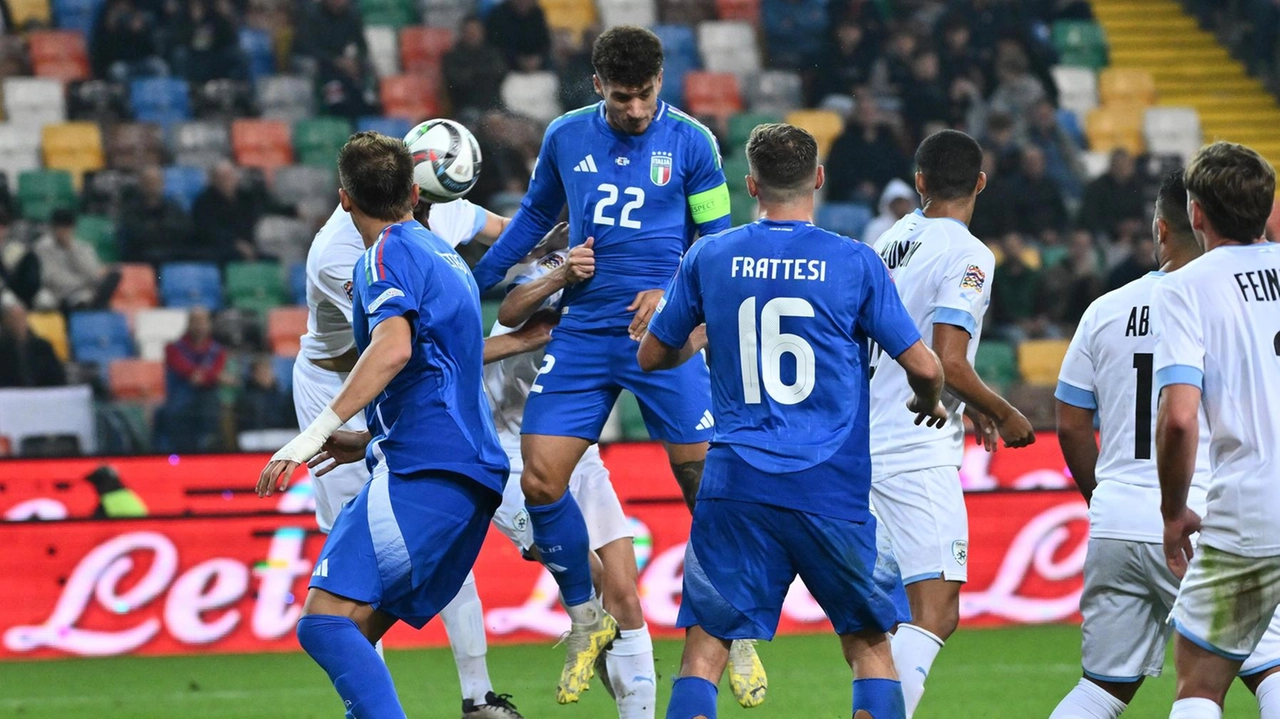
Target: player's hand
x,y
1015,430
536,331
986,434
581,264
343,447
643,305
1177,540
558,236
934,415
275,476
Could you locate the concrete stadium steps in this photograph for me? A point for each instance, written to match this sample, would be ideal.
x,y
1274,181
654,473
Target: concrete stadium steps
x,y
1191,69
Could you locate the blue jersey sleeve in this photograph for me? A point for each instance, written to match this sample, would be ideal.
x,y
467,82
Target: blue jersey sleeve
x,y
680,309
705,186
537,215
883,316
392,283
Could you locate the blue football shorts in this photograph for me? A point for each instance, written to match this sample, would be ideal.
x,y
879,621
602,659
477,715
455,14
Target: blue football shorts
x,y
582,374
742,558
405,546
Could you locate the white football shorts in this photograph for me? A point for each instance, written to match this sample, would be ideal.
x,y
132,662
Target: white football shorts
x,y
923,514
313,389
591,489
1227,602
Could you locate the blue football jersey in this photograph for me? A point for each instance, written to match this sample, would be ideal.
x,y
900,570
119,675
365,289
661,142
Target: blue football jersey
x,y
789,309
642,197
433,415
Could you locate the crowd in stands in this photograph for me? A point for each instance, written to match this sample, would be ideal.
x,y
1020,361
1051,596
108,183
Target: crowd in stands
x,y
156,238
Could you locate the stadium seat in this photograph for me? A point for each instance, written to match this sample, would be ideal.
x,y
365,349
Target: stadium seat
x,y
52,328
686,12
712,94
59,54
224,100
1109,127
1126,86
1081,43
286,97
316,141
136,380
446,13
299,183
997,364
1040,360
285,326
259,49
741,125
184,184
73,146
100,337
161,100
825,125
284,370
106,191
384,50
533,94
34,101
413,97
191,284
572,15
137,289
628,12
98,101
846,218
99,232
729,46
422,49
286,238
40,192
392,126
264,144
255,285
774,91
27,13
154,329
76,14
19,151
1172,130
135,145
748,10
395,13
680,50
202,143
298,283
1077,88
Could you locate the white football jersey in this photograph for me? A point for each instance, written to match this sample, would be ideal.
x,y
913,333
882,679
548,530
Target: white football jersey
x,y
1110,368
507,382
943,274
332,258
1217,326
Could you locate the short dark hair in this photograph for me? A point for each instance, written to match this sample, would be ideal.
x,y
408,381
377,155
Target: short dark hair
x,y
377,173
783,159
627,55
63,217
950,162
1171,205
1235,188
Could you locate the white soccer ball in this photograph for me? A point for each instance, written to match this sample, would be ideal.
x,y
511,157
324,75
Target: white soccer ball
x,y
446,159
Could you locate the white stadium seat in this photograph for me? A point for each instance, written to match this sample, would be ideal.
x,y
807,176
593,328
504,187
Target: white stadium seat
x,y
155,328
1173,130
729,46
284,238
34,101
384,49
1095,163
19,150
286,97
532,94
1077,89
776,91
628,12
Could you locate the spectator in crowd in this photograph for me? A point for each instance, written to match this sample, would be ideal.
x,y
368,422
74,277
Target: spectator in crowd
x,y
531,92
72,276
224,216
893,71
574,68
865,156
473,69
999,139
263,403
207,45
1072,283
330,29
896,201
1017,90
793,32
20,270
1016,308
1115,198
992,213
124,43
926,98
519,29
345,90
115,501
1038,207
1266,27
958,58
847,63
1140,260
191,416
154,228
1061,154
25,359
988,22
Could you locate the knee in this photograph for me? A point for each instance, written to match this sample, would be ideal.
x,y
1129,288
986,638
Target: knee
x,y
939,618
540,487
624,604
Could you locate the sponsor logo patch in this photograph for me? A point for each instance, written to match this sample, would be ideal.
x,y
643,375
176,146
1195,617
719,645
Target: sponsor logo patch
x,y
960,550
382,298
974,278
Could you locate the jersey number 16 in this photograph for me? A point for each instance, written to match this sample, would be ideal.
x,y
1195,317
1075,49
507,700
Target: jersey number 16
x,y
769,346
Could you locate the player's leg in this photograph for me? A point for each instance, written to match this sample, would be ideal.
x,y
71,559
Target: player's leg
x,y
687,461
676,407
693,694
339,634
1261,671
877,693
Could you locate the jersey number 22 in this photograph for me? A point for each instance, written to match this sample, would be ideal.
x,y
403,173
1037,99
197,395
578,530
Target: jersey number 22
x,y
611,198
767,348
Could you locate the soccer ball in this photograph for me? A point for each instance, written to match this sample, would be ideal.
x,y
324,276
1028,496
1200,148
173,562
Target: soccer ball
x,y
446,159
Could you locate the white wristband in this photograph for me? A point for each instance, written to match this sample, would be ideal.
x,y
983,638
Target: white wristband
x,y
307,445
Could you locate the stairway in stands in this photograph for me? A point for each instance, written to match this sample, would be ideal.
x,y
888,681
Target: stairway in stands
x,y
1192,70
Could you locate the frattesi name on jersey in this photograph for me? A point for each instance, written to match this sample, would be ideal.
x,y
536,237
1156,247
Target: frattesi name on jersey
x,y
765,268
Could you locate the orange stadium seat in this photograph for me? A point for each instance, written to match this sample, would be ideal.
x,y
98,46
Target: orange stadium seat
x,y
285,326
137,289
60,54
136,380
712,93
422,48
1126,86
52,328
572,15
264,144
73,146
1040,360
24,12
824,125
412,97
748,10
1115,126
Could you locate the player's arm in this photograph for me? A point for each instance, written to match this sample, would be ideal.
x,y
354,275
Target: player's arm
x,y
655,354
538,213
1076,407
533,334
525,298
494,224
677,332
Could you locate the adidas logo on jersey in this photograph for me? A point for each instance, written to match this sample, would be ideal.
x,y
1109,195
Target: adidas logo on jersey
x,y
588,164
707,421
322,569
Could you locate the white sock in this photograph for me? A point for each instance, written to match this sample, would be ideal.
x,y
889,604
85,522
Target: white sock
x,y
914,650
589,612
1088,701
631,673
1195,708
464,622
1269,697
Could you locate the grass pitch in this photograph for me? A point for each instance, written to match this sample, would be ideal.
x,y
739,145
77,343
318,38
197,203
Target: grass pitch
x,y
982,674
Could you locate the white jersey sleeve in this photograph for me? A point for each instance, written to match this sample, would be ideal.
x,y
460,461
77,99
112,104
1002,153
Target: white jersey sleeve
x,y
1076,378
1180,344
330,263
456,222
963,288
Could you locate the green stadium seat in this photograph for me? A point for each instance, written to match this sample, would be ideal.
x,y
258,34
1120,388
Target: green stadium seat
x,y
997,364
316,141
741,125
741,205
489,311
395,13
100,232
1080,43
257,286
633,429
40,192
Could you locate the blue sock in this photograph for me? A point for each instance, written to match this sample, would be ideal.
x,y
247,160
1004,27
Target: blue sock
x,y
560,534
882,698
354,667
692,697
